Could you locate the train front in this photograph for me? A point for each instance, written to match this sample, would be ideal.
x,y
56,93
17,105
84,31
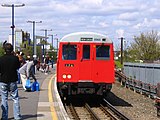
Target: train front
x,y
85,65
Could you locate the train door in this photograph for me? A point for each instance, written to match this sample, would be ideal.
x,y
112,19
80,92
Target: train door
x,y
102,63
85,63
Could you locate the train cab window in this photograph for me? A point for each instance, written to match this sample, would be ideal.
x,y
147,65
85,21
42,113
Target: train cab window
x,y
86,51
102,52
69,52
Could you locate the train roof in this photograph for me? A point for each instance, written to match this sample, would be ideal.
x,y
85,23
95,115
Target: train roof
x,y
86,37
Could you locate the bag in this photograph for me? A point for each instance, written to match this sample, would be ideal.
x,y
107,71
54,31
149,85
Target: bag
x,y
28,84
35,86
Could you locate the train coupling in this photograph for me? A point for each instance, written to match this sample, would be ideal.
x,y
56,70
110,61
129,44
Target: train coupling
x,y
64,87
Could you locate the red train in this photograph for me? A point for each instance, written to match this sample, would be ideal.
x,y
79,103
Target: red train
x,y
85,64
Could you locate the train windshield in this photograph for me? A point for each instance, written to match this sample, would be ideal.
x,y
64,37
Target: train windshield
x,y
69,52
102,52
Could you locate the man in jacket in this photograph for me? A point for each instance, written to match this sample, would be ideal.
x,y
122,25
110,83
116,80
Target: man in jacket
x,y
9,63
26,70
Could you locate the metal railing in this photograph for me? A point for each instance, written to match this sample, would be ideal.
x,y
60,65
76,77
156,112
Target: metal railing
x,y
137,85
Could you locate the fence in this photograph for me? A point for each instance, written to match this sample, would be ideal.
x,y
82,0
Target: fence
x,y
141,77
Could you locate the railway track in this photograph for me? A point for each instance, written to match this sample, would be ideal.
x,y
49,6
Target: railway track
x,y
117,115
101,111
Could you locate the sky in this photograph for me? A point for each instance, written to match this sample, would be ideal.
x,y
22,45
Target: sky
x,y
114,18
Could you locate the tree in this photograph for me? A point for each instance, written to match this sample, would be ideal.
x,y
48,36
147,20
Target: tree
x,y
1,49
145,47
26,49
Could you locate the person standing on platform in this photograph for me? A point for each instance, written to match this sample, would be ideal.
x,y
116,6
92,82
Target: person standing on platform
x,y
46,64
9,63
22,61
26,70
52,61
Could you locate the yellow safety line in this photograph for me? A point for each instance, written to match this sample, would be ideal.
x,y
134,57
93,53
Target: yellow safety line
x,y
50,97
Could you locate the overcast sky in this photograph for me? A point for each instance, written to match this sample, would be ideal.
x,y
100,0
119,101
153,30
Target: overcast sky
x,y
114,18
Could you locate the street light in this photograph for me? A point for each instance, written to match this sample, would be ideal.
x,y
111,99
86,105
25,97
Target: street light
x,y
52,38
13,26
34,40
45,30
122,38
57,43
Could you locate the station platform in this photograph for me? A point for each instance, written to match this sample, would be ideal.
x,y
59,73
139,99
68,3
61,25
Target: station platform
x,y
40,105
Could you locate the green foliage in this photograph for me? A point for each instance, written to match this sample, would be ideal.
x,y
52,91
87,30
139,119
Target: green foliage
x,y
39,51
118,64
52,55
145,47
1,49
28,50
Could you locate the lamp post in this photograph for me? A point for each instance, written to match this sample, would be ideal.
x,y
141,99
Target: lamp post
x,y
13,26
34,40
57,45
52,38
45,30
57,41
122,38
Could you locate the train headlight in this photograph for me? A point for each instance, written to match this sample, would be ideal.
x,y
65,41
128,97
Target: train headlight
x,y
64,76
69,76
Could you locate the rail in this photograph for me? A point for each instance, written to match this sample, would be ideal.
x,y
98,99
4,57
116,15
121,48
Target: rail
x,y
115,111
74,113
94,111
94,116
